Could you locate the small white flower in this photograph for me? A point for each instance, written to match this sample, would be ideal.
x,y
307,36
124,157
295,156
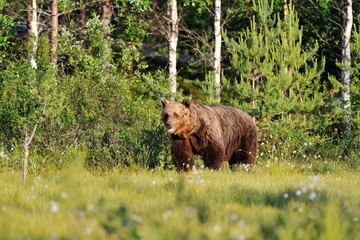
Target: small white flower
x,y
312,196
167,214
90,207
54,207
53,235
286,195
241,223
233,217
190,212
137,218
63,195
217,228
239,237
88,230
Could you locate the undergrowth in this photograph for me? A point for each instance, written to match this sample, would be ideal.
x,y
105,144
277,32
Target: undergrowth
x,y
278,201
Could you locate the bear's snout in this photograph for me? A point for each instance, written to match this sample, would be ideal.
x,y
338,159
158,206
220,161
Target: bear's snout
x,y
170,129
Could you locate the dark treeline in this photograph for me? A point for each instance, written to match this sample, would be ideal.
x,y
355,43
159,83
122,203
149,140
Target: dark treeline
x,y
83,79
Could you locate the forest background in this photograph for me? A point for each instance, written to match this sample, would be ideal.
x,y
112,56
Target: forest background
x,y
89,79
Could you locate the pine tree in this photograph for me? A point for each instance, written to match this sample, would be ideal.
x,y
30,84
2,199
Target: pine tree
x,y
276,78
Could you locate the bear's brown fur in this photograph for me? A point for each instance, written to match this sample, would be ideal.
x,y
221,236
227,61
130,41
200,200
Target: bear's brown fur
x,y
218,133
181,153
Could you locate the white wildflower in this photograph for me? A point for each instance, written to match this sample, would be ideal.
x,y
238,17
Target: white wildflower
x,y
217,228
312,196
54,207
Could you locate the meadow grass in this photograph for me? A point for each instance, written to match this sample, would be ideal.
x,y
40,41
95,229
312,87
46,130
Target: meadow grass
x,y
276,202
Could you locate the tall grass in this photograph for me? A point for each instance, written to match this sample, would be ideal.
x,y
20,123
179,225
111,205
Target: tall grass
x,y
275,202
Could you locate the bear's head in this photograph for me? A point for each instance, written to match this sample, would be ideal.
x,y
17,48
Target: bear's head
x,y
176,116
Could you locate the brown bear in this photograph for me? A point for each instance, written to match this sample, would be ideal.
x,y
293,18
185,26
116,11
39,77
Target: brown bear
x,y
182,153
216,132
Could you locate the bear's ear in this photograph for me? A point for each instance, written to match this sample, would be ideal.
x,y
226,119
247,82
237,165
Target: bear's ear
x,y
164,102
186,102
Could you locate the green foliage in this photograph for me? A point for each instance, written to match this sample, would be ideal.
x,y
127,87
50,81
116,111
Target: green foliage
x,y
200,4
112,116
279,84
66,5
354,87
134,26
6,23
103,100
274,73
114,113
24,95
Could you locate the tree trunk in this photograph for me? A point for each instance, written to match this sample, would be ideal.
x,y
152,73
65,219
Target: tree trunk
x,y
26,154
173,39
106,17
217,52
82,20
54,31
33,32
106,13
346,63
33,38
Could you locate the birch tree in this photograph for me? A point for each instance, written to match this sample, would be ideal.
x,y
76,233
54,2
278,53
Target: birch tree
x,y
33,31
217,52
173,40
346,63
106,13
54,31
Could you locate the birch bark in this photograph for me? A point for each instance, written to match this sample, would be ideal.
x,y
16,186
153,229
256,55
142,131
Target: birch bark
x,y
346,63
217,52
173,40
54,31
33,31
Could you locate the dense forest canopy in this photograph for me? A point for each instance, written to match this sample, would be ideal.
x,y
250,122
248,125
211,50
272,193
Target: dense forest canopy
x,y
88,76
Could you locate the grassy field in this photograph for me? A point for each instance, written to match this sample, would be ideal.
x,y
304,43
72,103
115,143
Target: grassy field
x,y
272,202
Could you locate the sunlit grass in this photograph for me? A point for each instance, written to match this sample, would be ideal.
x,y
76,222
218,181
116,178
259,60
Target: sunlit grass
x,y
279,201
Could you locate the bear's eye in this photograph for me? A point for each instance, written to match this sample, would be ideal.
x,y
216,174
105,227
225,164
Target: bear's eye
x,y
176,115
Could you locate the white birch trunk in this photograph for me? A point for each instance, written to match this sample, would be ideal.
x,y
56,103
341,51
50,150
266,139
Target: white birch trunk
x,y
173,40
217,52
34,33
346,63
54,31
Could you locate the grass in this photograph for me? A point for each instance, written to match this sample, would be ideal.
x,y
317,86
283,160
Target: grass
x,y
276,202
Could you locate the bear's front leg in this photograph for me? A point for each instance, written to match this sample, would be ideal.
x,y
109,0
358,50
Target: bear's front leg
x,y
181,154
214,156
